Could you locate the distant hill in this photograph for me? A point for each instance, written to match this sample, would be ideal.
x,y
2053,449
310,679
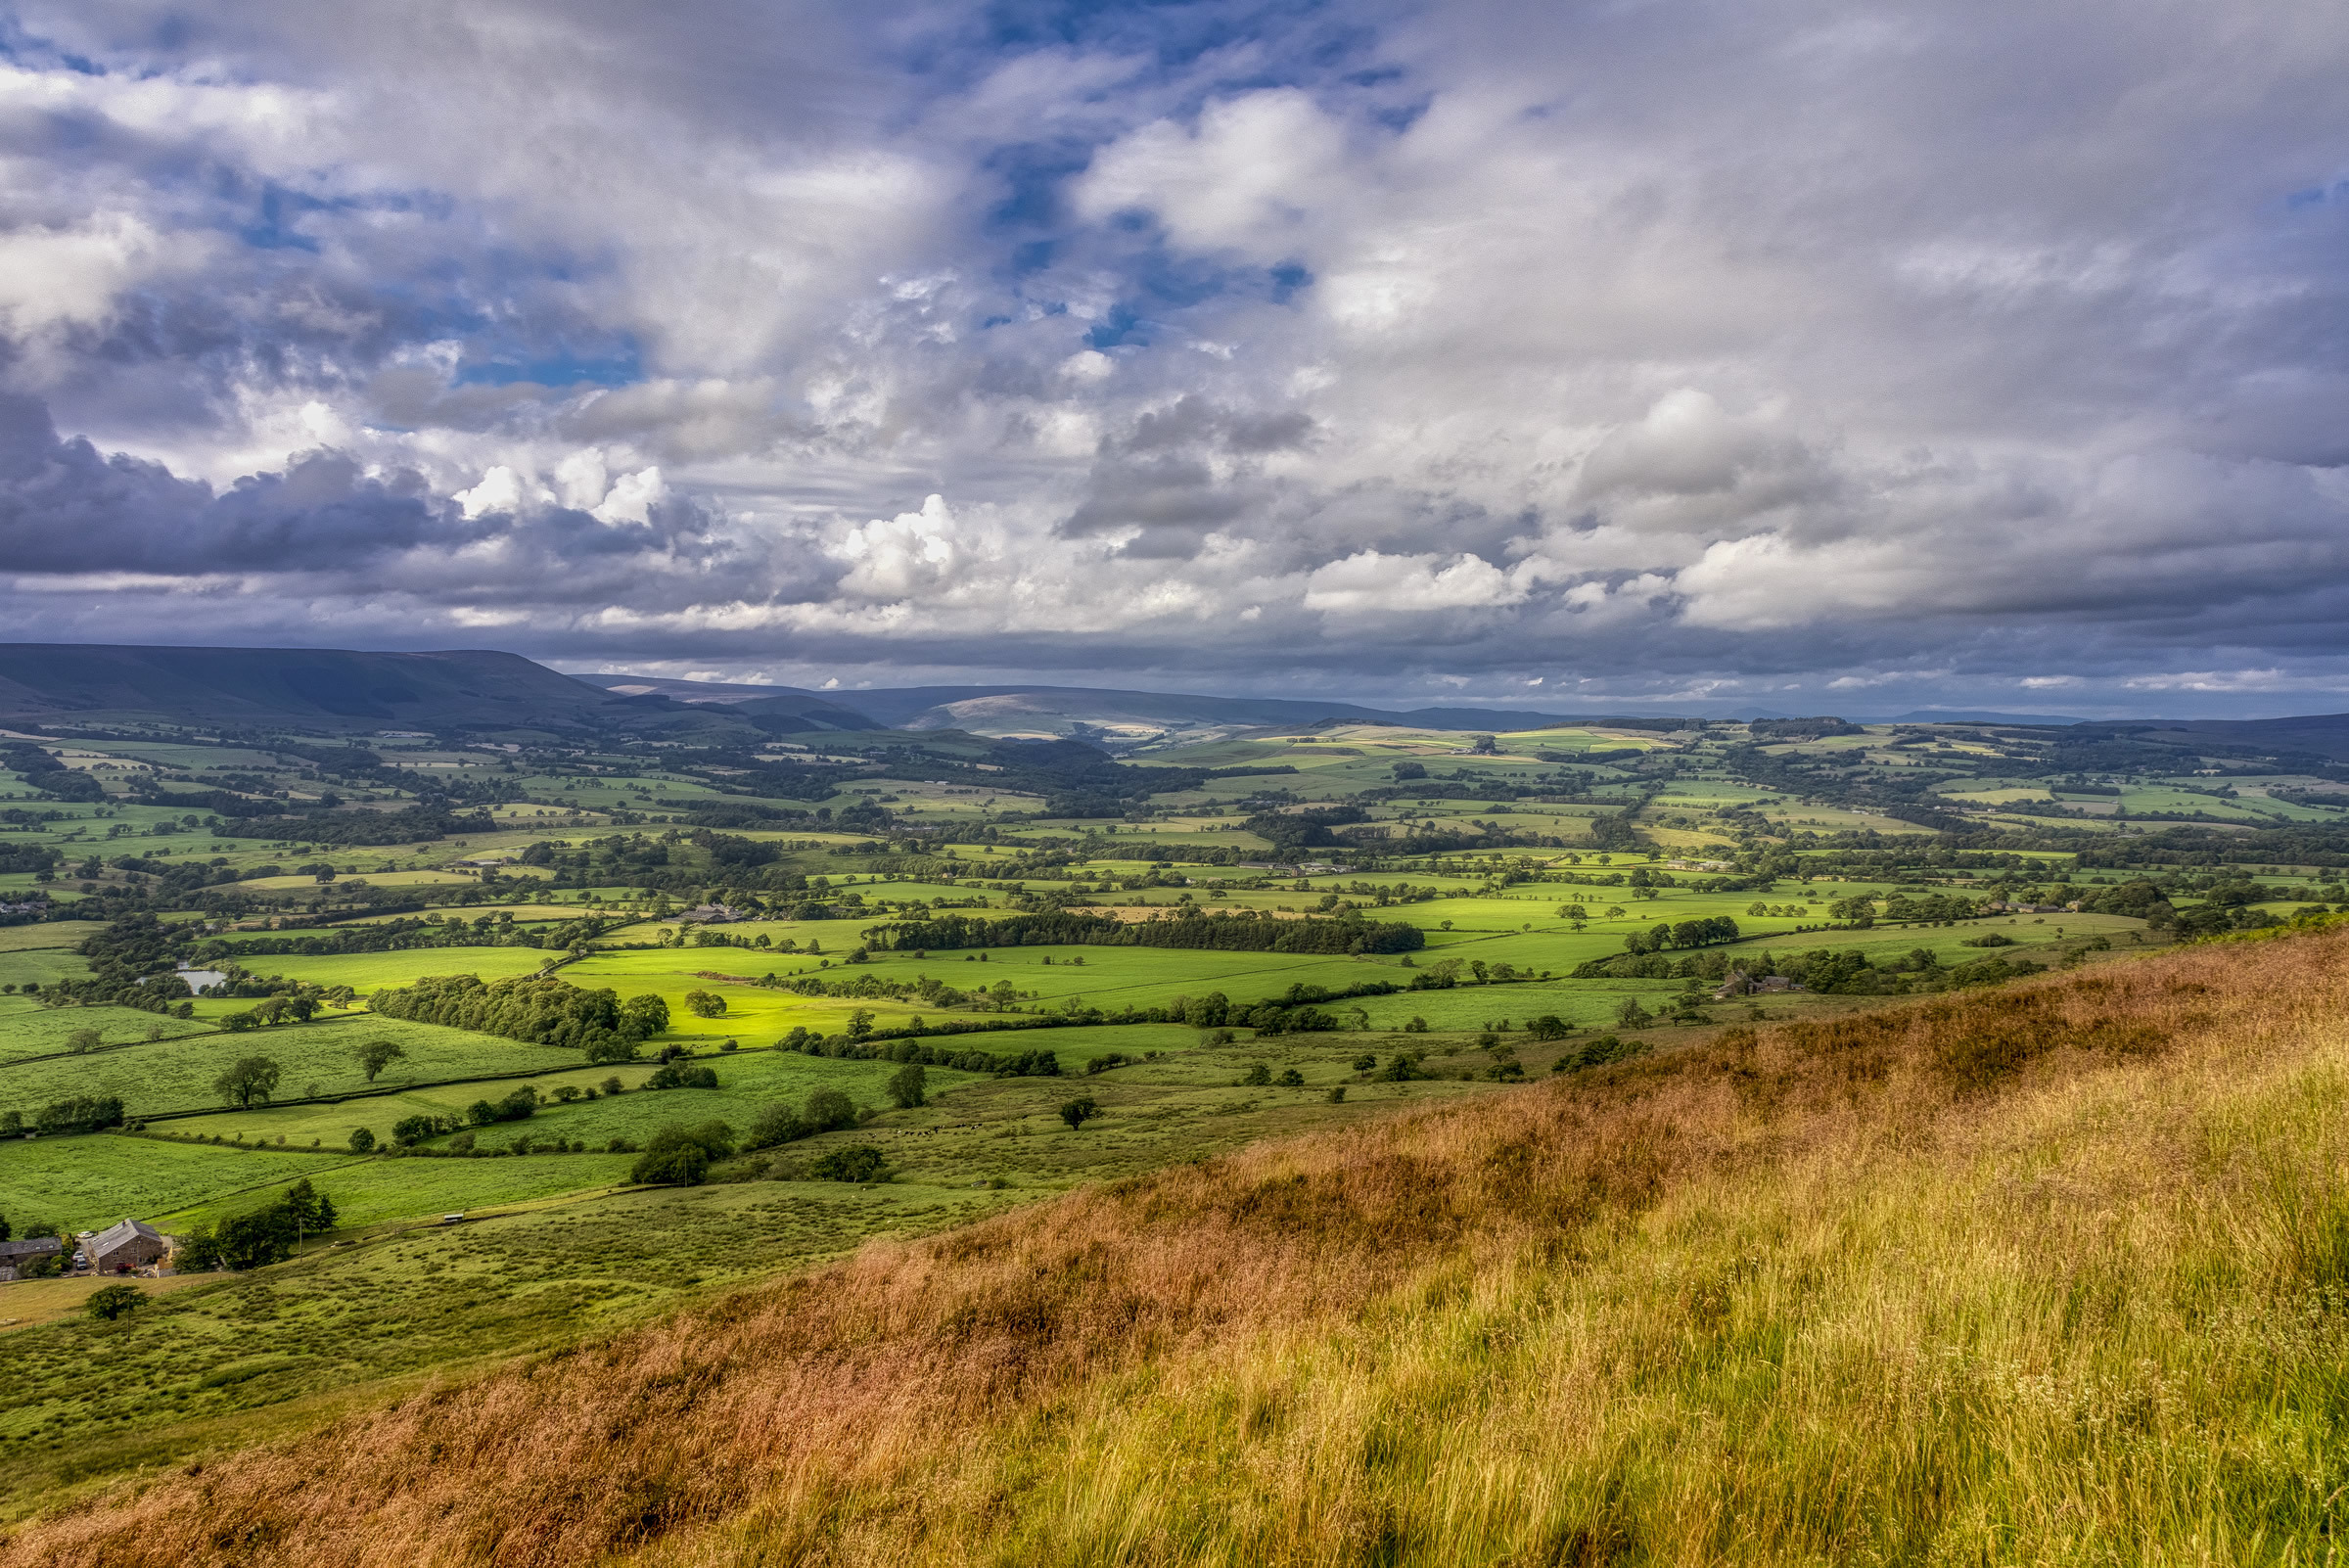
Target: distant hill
x,y
332,688
2324,735
1973,716
1110,716
820,711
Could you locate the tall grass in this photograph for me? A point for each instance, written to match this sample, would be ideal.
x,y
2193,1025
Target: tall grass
x,y
2053,1274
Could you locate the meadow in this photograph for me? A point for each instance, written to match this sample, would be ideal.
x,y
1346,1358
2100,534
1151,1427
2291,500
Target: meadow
x,y
750,1080
91,1181
47,934
41,966
29,1028
369,1193
313,1059
368,971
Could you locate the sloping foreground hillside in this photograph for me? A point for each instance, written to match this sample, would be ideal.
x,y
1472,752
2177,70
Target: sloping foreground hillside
x,y
2057,1273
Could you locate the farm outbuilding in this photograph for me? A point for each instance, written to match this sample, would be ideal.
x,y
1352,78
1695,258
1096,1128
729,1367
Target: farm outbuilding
x,y
15,1255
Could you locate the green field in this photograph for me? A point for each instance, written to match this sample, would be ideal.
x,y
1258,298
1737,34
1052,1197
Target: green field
x,y
373,1192
90,1181
313,1059
29,1028
41,966
751,1079
366,972
47,934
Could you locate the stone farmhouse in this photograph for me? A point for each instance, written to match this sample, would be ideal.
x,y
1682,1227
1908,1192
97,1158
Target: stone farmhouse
x,y
1741,984
118,1248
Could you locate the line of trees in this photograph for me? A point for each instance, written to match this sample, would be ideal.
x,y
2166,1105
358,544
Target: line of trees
x,y
1191,927
1702,933
542,1010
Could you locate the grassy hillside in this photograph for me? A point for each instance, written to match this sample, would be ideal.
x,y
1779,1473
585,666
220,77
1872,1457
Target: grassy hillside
x,y
2060,1273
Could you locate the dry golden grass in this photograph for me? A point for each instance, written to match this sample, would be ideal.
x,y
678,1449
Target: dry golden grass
x,y
2054,1273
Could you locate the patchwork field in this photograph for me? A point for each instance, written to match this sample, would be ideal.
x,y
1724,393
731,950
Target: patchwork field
x,y
1526,855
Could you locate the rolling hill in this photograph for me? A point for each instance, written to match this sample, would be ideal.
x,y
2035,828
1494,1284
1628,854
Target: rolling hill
x,y
821,711
1109,716
339,689
329,689
2324,735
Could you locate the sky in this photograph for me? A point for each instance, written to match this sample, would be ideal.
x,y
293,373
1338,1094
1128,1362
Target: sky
x,y
1781,355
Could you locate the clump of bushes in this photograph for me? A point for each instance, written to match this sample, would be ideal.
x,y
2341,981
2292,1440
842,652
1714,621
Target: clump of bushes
x,y
859,1161
681,1074
1598,1052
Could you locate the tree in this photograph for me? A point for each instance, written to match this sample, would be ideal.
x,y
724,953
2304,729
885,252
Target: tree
x,y
83,1040
256,1239
1079,1111
5,1232
309,1209
1630,1015
681,1166
1547,1027
110,1302
705,1004
252,1079
681,1156
829,1110
907,1086
376,1055
642,1017
362,1141
774,1124
413,1129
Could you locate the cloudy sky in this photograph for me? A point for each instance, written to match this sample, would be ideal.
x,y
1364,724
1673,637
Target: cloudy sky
x,y
1751,354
